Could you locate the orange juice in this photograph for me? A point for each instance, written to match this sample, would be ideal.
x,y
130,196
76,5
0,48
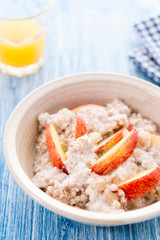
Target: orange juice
x,y
21,43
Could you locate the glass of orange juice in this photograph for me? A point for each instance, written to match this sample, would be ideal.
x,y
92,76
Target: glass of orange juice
x,y
23,26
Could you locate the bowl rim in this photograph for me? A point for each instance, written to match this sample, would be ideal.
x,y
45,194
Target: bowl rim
x,y
77,214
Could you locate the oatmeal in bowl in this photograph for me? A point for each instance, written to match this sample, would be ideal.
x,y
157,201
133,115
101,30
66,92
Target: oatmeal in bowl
x,y
86,147
103,158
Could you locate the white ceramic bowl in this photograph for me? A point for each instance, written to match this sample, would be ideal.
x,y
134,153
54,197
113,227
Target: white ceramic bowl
x,y
70,91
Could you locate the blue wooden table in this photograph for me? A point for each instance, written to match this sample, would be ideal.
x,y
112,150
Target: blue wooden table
x,y
84,36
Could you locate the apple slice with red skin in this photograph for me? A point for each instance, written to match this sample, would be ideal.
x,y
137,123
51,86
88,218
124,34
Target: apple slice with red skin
x,y
76,109
117,155
55,150
80,126
112,140
140,184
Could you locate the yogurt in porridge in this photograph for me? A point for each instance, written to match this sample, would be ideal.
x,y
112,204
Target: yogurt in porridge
x,y
98,158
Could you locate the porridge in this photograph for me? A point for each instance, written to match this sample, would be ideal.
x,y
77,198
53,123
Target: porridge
x,y
98,158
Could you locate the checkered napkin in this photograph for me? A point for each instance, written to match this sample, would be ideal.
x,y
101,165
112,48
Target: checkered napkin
x,y
148,57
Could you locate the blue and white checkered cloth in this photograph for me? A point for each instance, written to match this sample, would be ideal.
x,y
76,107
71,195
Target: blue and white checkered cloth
x,y
148,57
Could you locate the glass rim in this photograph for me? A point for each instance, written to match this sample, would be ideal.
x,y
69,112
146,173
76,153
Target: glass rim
x,y
45,9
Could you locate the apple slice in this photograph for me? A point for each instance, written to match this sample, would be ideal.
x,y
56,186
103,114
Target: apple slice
x,y
80,126
155,140
76,109
140,184
115,138
117,155
55,150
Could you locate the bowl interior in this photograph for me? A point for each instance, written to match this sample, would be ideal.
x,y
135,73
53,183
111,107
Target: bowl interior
x,y
70,92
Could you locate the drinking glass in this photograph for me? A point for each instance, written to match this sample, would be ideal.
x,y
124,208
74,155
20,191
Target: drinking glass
x,y
23,27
